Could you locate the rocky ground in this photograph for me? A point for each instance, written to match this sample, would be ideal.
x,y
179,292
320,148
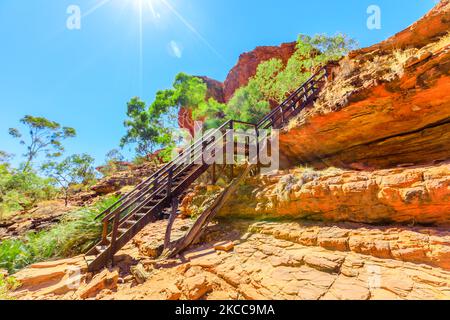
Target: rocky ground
x,y
262,260
44,215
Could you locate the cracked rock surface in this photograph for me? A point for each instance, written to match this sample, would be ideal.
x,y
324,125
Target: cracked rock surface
x,y
269,260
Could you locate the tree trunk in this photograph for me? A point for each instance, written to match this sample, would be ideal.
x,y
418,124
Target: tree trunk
x,y
66,198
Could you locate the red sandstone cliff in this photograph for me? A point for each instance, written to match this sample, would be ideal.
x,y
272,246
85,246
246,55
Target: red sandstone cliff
x,y
386,106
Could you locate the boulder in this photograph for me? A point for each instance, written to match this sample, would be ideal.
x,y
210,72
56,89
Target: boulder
x,y
104,280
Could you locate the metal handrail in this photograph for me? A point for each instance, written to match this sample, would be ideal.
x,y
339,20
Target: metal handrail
x,y
118,220
292,96
110,212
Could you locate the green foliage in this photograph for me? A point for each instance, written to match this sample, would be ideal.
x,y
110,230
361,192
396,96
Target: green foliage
x,y
7,284
21,190
211,111
153,127
78,232
250,103
45,137
145,128
188,91
114,155
113,163
140,129
76,169
311,52
5,157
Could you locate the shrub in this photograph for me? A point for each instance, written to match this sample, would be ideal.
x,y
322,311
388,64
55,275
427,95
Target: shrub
x,y
78,232
21,190
7,284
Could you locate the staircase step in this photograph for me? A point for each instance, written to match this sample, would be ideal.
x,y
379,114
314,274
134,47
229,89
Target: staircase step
x,y
101,249
89,259
130,222
122,230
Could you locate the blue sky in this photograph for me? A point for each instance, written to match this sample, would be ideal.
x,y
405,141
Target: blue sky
x,y
83,78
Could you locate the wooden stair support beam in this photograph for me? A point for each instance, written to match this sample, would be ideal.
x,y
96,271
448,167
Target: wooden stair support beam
x,y
172,218
196,231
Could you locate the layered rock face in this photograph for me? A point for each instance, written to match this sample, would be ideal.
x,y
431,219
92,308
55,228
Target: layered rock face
x,y
383,107
44,215
402,196
116,182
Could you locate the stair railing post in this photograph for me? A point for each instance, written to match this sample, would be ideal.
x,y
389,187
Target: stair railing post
x,y
247,148
169,183
173,216
232,140
114,236
105,230
192,153
214,173
257,149
204,145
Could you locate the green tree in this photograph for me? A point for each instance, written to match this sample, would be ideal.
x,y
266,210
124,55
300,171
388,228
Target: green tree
x,y
152,128
211,112
113,160
76,169
188,92
142,130
5,157
45,137
311,52
114,155
250,103
21,190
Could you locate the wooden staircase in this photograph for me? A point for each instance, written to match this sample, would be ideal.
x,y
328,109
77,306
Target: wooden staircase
x,y
158,196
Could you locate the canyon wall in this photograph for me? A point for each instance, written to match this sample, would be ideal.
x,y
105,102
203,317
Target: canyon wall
x,y
384,106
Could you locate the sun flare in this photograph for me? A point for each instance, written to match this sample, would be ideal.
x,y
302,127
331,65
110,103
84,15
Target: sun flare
x,y
146,4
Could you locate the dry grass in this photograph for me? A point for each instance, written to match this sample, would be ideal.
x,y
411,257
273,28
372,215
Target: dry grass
x,y
397,64
442,43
